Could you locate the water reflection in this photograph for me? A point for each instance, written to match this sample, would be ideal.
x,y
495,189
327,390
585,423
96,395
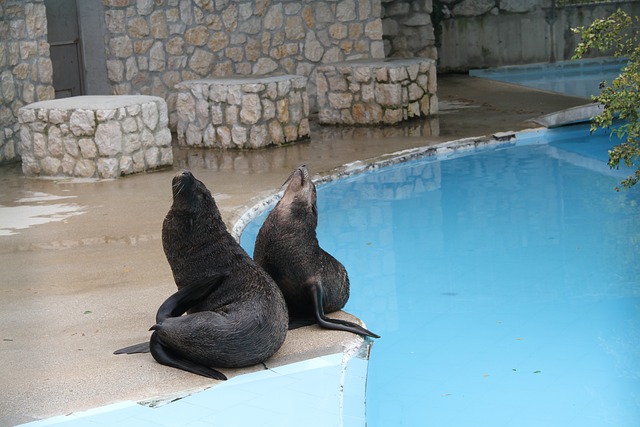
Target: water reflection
x,y
326,141
484,209
424,127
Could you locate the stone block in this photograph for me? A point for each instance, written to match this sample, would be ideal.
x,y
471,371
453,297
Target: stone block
x,y
243,112
369,92
95,136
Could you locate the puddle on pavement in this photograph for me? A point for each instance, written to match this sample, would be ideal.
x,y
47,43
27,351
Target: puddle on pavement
x,y
34,209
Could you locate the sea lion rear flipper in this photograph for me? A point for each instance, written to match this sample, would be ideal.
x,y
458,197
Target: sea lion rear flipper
x,y
298,322
165,356
336,324
192,294
143,347
176,305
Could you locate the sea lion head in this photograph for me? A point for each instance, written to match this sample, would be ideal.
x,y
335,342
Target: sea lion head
x,y
301,192
189,228
192,212
190,195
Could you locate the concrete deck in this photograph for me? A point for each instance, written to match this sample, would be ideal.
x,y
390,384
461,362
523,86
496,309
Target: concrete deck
x,y
74,290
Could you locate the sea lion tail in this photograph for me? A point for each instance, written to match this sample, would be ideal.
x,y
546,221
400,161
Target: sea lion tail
x,y
336,324
143,347
192,294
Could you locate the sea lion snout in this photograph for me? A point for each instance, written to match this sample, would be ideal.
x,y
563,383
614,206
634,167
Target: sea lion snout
x,y
302,173
299,182
189,192
182,176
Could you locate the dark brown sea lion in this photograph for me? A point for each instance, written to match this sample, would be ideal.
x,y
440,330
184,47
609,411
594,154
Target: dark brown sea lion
x,y
313,282
237,316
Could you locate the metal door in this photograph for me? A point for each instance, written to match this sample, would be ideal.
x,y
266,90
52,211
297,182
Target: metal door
x,y
64,42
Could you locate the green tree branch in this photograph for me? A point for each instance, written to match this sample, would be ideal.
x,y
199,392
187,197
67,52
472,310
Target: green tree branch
x,y
618,35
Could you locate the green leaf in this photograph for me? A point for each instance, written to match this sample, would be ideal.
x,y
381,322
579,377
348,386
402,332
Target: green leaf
x,y
617,35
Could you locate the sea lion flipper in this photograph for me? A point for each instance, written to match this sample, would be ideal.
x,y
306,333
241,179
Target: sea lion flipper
x,y
143,347
298,322
178,303
165,356
350,327
327,323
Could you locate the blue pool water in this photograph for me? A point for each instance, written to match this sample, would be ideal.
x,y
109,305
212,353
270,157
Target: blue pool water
x,y
505,284
579,78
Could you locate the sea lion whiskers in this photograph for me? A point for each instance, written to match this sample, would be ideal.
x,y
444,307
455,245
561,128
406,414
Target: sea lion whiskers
x,y
177,187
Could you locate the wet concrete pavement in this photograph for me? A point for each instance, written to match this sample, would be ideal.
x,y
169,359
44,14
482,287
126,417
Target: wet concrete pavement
x,y
89,281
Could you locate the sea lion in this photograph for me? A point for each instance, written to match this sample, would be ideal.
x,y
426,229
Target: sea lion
x,y
237,316
313,282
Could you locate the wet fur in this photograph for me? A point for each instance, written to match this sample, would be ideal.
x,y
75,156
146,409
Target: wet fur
x,y
240,319
313,282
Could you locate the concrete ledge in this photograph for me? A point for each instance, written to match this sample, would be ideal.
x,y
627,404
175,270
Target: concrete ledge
x,y
95,136
370,92
334,386
569,116
242,112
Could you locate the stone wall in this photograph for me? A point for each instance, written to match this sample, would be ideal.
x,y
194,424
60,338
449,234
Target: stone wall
x,y
150,45
26,74
155,44
491,33
407,29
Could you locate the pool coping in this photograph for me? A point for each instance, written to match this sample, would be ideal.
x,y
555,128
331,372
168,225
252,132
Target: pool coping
x,y
338,379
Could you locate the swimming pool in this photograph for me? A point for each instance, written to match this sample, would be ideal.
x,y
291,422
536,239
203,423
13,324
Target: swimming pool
x,y
579,78
505,284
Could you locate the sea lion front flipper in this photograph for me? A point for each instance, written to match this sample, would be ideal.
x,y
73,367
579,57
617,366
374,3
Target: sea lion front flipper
x,y
327,323
192,294
165,356
143,347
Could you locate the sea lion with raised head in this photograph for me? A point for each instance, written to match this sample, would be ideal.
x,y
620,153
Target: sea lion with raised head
x,y
313,282
236,315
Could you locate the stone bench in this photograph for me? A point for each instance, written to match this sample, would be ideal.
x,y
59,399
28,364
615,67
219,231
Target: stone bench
x,y
95,136
242,112
376,91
